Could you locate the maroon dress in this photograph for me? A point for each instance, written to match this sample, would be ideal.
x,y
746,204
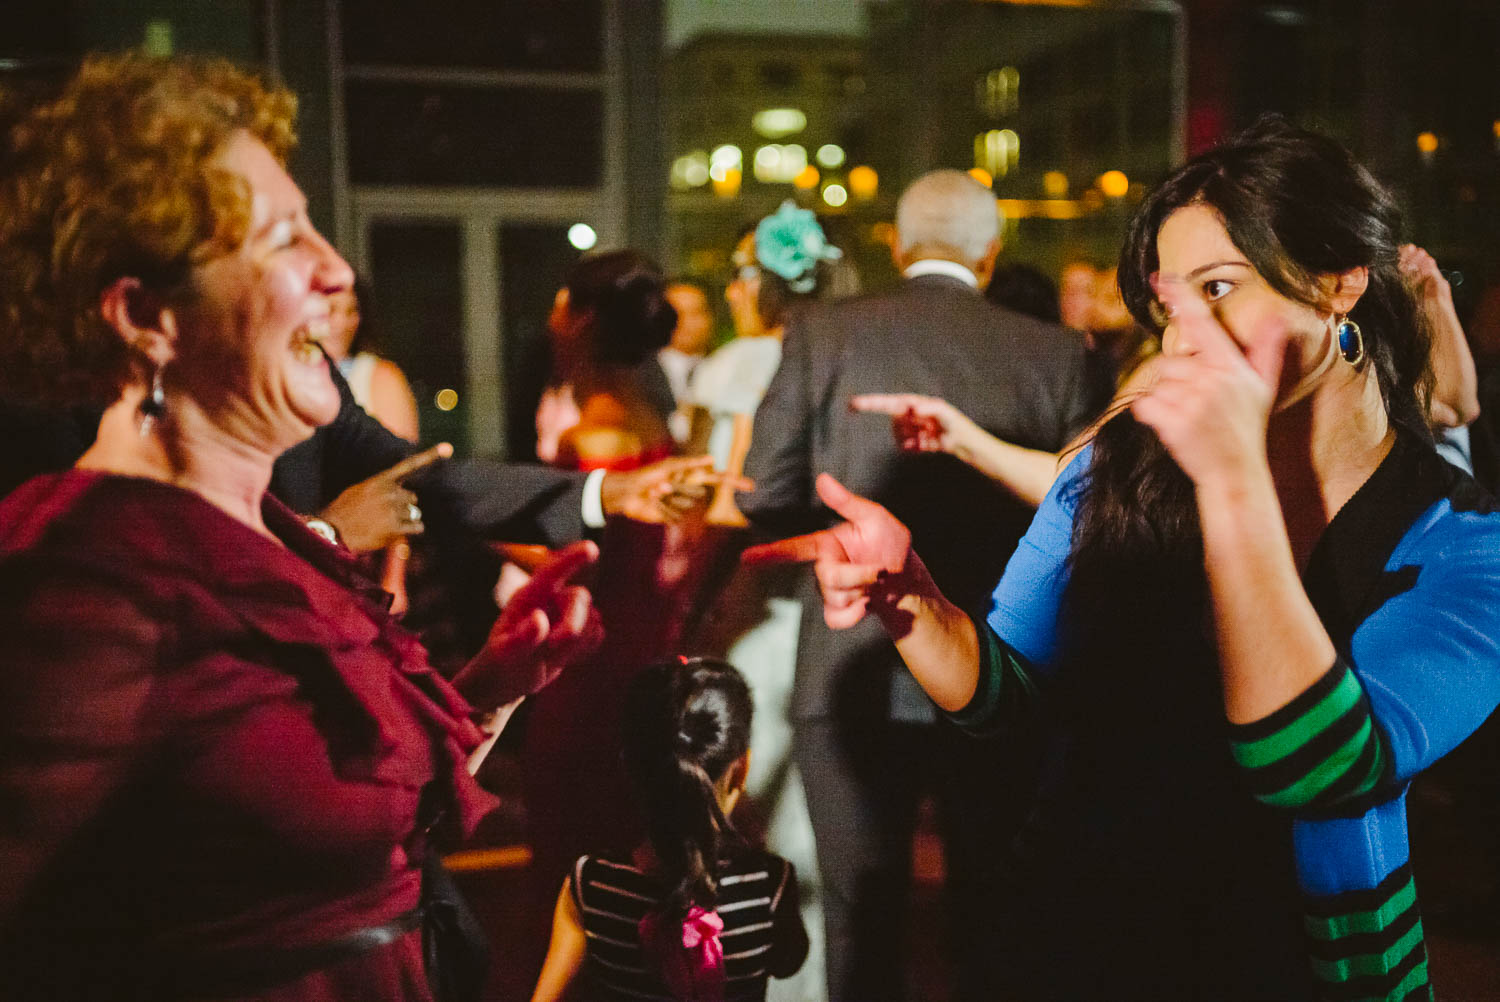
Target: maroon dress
x,y
219,756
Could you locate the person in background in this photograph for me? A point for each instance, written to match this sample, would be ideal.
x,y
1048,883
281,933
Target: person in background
x,y
694,912
689,346
380,387
610,317
1025,289
224,763
378,384
1078,291
1250,611
867,742
778,267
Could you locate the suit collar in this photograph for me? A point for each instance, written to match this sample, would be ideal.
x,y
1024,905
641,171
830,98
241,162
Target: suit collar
x,y
947,269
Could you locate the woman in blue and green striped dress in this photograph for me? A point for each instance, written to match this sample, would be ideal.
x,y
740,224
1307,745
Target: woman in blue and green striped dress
x,y
1246,615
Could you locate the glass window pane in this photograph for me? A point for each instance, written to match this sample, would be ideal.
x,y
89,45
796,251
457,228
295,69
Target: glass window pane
x,y
525,137
417,316
558,35
534,259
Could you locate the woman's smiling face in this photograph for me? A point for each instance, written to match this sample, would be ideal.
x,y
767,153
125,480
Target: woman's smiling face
x,y
247,347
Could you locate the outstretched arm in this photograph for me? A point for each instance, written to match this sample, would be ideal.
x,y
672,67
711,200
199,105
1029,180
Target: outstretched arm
x,y
866,565
930,424
565,954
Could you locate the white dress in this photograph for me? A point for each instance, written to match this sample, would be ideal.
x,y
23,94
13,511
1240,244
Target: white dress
x,y
732,381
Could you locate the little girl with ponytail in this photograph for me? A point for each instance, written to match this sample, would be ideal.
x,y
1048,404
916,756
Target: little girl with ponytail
x,y
695,914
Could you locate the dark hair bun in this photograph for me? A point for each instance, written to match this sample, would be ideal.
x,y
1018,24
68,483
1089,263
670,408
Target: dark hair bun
x,y
625,292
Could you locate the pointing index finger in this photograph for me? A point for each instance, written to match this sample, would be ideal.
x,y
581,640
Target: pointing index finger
x,y
894,404
795,550
411,464
556,572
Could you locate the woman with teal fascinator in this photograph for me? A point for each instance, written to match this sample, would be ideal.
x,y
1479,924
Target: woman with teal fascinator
x,y
779,265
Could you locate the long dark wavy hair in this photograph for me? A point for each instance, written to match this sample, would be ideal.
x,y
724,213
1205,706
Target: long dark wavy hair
x,y
1298,206
687,721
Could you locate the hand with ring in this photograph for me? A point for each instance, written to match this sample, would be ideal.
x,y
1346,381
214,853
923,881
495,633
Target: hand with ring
x,y
381,510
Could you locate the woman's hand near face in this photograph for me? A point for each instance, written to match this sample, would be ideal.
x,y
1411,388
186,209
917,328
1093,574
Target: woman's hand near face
x,y
1211,400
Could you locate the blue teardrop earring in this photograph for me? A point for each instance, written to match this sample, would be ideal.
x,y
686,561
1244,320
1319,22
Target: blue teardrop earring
x,y
1351,341
154,405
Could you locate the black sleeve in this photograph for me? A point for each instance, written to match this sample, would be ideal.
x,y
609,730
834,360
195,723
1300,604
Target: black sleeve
x,y
780,456
788,935
523,502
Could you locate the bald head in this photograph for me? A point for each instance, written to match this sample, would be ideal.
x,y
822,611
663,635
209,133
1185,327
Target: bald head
x,y
947,214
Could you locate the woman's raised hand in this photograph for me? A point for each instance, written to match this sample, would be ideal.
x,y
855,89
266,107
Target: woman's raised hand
x,y
549,623
1212,399
858,563
920,423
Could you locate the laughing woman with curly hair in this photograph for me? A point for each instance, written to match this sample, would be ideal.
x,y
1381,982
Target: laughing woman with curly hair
x,y
221,760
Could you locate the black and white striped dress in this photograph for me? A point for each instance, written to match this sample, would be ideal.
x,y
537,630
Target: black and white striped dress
x,y
763,935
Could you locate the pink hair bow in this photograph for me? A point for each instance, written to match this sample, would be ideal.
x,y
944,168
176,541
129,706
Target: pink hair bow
x,y
693,966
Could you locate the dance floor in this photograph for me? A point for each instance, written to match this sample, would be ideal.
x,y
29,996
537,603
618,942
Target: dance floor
x,y
1461,910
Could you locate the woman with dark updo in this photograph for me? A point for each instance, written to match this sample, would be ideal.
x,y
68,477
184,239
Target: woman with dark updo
x,y
610,316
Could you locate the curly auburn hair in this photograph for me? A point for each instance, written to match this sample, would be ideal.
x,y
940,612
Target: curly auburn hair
x,y
112,178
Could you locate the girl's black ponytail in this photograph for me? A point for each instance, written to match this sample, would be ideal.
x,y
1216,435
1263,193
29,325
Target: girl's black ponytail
x,y
687,720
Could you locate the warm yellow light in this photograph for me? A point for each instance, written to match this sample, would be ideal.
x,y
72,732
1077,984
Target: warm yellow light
x,y
778,123
1055,184
1114,183
982,176
835,195
728,186
864,182
1427,142
807,178
446,400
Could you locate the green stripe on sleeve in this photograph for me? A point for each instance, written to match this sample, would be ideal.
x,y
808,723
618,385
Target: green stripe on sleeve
x,y
1368,965
1265,751
1005,689
1360,923
1327,772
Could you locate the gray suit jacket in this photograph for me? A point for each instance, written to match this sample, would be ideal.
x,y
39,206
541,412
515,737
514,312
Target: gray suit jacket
x,y
1019,378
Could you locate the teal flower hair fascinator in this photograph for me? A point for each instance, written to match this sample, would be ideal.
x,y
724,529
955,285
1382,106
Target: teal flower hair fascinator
x,y
790,243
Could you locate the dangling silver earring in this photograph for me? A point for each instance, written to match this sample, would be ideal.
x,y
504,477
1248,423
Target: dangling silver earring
x,y
153,404
1351,341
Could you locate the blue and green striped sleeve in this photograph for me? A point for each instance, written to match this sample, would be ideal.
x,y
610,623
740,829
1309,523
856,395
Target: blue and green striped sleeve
x,y
1006,689
1320,750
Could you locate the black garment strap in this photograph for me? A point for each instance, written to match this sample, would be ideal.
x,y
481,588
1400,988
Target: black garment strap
x,y
1346,577
243,972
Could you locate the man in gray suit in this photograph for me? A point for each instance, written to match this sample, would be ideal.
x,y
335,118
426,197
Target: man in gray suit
x,y
867,740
